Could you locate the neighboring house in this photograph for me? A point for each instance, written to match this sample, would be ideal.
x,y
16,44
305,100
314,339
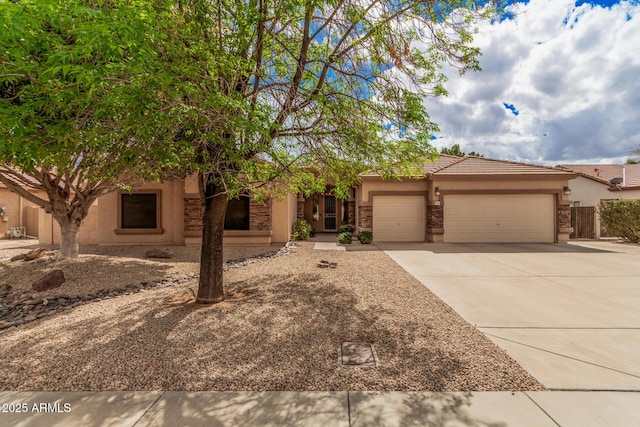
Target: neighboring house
x,y
458,199
596,183
17,215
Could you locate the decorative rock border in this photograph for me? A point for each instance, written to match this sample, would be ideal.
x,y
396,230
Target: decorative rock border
x,y
19,307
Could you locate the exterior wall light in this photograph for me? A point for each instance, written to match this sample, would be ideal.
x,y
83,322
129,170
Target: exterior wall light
x,y
437,192
566,190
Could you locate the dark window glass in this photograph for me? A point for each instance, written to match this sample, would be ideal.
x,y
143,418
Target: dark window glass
x,y
237,217
139,210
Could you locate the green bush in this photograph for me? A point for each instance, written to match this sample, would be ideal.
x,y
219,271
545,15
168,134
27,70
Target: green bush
x,y
300,230
312,232
621,218
345,237
345,227
365,237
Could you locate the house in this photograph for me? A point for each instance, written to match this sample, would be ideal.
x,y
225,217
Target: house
x,y
596,183
156,214
16,213
456,199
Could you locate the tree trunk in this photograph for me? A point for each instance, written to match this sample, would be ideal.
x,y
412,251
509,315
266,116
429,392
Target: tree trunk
x,y
210,286
69,247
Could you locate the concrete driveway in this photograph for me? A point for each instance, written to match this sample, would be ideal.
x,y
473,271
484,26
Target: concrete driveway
x,y
569,314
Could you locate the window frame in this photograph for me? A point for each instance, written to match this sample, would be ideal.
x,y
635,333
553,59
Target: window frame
x,y
246,200
157,230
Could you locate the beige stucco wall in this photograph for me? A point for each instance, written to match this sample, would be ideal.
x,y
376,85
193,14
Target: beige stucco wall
x,y
589,192
377,184
16,212
13,216
283,215
191,184
172,217
500,183
49,230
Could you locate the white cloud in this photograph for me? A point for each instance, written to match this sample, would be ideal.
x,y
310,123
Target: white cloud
x,y
573,74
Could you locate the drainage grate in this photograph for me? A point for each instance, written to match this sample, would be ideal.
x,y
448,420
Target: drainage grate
x,y
358,354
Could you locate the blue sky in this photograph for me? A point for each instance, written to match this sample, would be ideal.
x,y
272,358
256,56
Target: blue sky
x,y
560,84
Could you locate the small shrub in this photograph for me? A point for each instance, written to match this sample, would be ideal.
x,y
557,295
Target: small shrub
x,y
345,237
365,237
621,218
312,232
301,230
345,227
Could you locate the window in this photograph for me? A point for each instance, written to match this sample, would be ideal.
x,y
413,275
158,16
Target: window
x,y
237,217
139,212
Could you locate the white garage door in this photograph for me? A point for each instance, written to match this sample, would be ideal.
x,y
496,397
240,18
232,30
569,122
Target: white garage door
x,y
499,218
399,218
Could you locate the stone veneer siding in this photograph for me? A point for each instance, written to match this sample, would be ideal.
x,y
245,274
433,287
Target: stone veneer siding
x,y
300,209
351,214
192,214
259,215
435,217
366,217
564,214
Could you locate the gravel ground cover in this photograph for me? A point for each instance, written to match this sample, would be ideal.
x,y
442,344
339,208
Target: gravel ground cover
x,y
109,267
280,328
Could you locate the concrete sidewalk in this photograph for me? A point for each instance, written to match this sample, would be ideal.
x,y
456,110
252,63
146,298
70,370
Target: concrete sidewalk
x,y
322,409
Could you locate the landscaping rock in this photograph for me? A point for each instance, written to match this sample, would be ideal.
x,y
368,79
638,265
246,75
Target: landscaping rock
x,y
34,254
51,280
158,253
18,308
326,264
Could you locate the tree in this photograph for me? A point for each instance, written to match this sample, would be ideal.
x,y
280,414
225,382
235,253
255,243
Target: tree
x,y
75,105
455,150
304,91
251,95
634,157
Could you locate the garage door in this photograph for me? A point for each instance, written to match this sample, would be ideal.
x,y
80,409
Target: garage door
x,y
499,218
399,218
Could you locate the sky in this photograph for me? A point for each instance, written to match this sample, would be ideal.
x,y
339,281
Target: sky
x,y
560,84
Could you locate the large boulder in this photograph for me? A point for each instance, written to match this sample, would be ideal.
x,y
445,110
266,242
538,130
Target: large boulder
x,y
51,280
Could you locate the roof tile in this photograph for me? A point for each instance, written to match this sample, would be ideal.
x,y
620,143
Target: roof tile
x,y
472,165
605,173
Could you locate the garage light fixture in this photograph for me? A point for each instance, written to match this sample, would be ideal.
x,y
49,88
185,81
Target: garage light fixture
x,y
566,190
437,192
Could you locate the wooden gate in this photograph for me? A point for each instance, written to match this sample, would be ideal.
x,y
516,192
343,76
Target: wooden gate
x,y
583,221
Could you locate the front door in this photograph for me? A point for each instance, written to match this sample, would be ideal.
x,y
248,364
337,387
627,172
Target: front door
x,y
330,220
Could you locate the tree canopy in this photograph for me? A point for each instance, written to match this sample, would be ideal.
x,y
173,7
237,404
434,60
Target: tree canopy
x,y
455,150
77,108
241,92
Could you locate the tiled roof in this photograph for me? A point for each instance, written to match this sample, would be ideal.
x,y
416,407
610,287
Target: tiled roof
x,y
471,165
443,161
605,173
